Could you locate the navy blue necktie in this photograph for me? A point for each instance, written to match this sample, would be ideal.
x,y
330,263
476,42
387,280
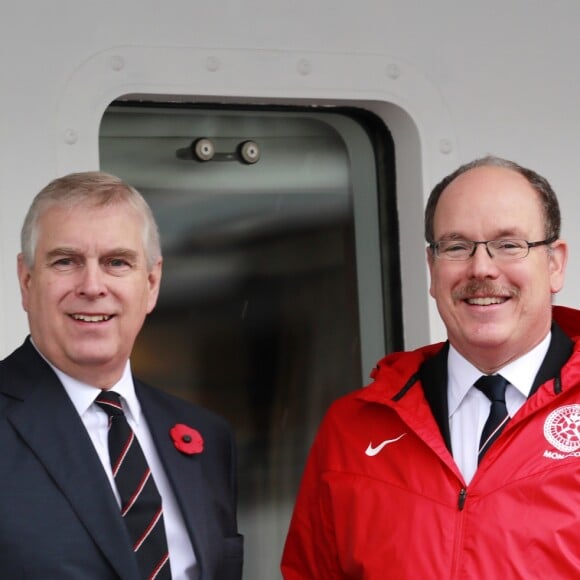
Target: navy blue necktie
x,y
140,500
493,387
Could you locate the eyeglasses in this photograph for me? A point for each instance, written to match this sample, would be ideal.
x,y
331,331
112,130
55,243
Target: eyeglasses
x,y
504,249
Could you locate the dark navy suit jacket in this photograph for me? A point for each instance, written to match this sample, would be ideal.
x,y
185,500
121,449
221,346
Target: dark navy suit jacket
x,y
58,516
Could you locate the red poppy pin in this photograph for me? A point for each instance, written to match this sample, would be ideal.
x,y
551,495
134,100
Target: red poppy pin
x,y
186,439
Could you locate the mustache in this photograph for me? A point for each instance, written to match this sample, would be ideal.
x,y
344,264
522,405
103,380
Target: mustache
x,y
478,288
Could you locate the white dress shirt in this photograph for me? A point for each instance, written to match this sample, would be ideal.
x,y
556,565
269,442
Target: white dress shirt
x,y
469,407
182,557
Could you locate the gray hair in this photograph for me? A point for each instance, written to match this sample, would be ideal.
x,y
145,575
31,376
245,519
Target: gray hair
x,y
548,199
93,188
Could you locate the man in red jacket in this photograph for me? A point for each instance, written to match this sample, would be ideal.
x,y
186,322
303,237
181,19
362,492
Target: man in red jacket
x,y
461,459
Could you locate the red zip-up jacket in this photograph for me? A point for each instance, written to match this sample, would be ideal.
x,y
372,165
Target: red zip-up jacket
x,y
381,497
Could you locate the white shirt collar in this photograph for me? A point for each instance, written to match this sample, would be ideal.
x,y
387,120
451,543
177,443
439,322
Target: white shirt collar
x,y
520,373
83,395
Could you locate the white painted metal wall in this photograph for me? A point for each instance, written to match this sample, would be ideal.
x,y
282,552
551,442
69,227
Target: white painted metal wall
x,y
453,80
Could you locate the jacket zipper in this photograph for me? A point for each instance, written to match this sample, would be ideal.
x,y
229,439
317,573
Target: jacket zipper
x,y
458,543
462,498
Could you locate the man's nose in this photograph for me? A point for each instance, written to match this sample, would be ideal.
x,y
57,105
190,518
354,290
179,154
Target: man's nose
x,y
485,247
482,264
92,280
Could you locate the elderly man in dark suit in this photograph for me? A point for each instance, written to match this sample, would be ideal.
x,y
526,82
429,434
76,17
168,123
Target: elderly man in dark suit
x,y
102,476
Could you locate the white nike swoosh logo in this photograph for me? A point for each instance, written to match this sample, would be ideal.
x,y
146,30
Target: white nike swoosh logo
x,y
372,451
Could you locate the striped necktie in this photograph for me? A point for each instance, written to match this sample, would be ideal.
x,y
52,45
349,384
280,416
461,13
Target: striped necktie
x,y
493,387
140,500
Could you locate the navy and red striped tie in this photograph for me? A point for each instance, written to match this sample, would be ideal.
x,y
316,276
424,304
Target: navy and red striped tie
x,y
140,500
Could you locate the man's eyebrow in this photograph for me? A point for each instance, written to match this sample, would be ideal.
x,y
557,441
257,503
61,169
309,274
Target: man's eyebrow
x,y
69,251
512,233
63,251
122,253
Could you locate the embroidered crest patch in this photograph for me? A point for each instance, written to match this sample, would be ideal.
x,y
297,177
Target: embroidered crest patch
x,y
562,428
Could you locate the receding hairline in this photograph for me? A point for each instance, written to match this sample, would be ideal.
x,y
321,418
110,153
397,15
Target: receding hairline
x,y
549,205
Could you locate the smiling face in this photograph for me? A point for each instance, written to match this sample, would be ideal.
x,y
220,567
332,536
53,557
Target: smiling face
x,y
89,290
494,311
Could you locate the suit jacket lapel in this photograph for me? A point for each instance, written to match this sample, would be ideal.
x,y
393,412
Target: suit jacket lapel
x,y
185,475
49,424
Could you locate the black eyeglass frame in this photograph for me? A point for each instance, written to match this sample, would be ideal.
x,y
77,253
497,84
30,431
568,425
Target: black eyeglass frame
x,y
434,246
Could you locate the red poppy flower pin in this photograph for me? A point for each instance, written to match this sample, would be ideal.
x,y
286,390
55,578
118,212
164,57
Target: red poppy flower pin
x,y
186,439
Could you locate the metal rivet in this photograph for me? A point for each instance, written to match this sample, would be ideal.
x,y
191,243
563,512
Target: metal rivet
x,y
203,149
70,136
249,152
393,71
117,62
445,146
304,67
212,63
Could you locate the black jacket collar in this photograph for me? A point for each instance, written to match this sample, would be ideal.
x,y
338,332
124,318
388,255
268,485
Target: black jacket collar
x,y
433,376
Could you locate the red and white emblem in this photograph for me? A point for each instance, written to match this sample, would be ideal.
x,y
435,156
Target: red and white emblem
x,y
562,428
